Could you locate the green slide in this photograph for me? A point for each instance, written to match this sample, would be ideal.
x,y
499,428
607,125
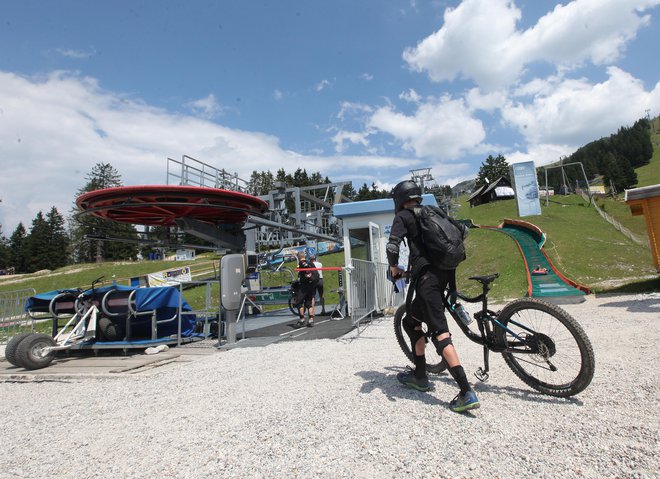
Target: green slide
x,y
544,280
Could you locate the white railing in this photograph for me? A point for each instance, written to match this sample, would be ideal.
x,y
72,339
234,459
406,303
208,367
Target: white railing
x,y
369,290
14,319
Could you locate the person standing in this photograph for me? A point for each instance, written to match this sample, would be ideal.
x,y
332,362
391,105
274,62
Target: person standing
x,y
428,284
319,283
308,280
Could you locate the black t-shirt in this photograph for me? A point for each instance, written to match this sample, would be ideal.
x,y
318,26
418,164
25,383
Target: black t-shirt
x,y
307,276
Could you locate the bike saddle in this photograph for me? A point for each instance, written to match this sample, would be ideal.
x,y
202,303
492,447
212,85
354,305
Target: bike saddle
x,y
487,279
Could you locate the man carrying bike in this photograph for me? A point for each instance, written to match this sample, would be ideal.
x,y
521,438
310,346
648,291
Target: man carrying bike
x,y
428,284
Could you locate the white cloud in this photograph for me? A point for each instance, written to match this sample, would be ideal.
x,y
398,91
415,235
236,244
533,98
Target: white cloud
x,y
367,76
479,39
76,54
207,107
53,130
410,96
278,95
573,112
348,108
541,154
322,85
441,129
348,136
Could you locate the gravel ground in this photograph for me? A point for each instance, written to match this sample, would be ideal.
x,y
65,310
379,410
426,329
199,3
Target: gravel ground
x,y
333,408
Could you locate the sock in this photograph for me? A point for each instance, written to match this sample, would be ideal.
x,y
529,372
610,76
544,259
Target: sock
x,y
458,373
420,366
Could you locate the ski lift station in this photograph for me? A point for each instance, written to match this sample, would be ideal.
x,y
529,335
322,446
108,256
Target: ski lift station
x,y
366,227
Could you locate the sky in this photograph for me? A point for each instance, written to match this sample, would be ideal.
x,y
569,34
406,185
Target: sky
x,y
360,91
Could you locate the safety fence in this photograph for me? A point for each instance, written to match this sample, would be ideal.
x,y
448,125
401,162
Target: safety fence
x,y
14,319
369,289
625,231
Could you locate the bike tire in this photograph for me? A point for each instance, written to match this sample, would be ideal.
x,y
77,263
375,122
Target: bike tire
x,y
29,351
434,362
294,311
560,342
12,345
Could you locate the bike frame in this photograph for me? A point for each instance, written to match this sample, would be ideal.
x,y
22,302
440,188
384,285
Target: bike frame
x,y
485,319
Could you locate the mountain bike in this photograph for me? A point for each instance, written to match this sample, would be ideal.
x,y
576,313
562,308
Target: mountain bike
x,y
540,342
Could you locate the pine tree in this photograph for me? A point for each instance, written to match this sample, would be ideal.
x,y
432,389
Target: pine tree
x,y
492,169
36,244
103,175
4,251
17,249
58,241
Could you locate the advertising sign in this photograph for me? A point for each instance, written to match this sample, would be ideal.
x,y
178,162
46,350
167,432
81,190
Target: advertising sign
x,y
527,189
170,278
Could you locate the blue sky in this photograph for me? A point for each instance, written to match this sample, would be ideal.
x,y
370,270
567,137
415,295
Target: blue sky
x,y
358,90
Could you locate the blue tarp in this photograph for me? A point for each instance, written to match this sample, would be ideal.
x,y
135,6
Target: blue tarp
x,y
164,300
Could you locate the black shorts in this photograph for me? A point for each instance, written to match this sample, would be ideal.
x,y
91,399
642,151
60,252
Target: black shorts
x,y
427,305
307,292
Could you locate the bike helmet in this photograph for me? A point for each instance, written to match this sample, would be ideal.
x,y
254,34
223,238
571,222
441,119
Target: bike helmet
x,y
405,191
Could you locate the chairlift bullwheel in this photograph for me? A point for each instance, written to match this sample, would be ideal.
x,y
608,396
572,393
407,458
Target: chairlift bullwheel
x,y
12,345
32,352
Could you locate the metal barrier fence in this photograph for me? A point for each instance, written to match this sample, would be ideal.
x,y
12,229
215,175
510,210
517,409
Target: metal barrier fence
x,y
369,290
13,317
640,240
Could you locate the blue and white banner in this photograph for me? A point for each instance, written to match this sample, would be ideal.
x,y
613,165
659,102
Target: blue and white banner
x,y
527,188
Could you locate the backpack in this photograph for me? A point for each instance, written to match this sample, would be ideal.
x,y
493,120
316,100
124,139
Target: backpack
x,y
441,237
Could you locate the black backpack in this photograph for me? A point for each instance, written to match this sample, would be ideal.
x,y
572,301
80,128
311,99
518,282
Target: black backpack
x,y
441,237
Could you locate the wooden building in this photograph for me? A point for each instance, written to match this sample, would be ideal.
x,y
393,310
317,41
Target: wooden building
x,y
500,189
646,201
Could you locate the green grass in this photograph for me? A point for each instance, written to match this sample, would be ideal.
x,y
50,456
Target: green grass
x,y
580,243
650,174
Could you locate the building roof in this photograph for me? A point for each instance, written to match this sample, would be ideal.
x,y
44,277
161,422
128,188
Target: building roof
x,y
370,207
642,193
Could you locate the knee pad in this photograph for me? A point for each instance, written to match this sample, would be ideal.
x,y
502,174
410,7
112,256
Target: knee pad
x,y
412,328
441,344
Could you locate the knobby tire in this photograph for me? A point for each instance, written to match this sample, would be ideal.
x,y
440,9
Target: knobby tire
x,y
558,341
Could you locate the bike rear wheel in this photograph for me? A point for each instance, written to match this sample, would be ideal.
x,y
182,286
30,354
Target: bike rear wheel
x,y
433,360
550,350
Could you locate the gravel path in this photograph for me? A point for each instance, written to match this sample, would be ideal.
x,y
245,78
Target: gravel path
x,y
334,409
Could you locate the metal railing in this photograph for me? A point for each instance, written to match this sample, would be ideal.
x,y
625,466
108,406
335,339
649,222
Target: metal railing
x,y
192,172
14,319
369,290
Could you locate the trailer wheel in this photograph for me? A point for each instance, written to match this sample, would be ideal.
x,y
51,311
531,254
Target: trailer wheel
x,y
12,345
30,352
110,331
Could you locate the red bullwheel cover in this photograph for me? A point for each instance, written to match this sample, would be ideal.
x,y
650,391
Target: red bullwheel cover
x,y
161,205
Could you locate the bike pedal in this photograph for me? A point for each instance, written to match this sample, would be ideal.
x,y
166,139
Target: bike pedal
x,y
481,375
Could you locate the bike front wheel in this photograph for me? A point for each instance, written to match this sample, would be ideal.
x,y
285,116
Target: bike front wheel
x,y
546,347
434,362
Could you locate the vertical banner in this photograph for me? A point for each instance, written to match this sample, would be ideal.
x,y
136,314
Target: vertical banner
x,y
527,188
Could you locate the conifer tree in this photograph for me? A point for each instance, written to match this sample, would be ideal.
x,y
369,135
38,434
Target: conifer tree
x,y
17,249
102,175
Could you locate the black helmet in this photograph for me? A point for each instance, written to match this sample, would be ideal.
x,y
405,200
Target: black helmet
x,y
404,191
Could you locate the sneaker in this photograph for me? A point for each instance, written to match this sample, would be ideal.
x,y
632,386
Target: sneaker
x,y
464,402
409,379
310,323
299,324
